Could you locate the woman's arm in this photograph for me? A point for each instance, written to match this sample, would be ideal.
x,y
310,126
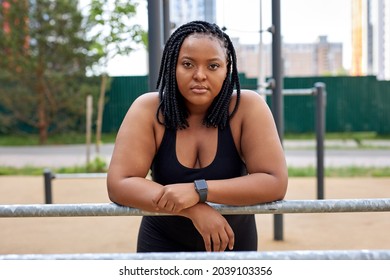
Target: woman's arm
x,y
263,154
133,153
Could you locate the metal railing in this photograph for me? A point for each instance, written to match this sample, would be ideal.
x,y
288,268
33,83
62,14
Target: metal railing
x,y
269,255
278,207
49,176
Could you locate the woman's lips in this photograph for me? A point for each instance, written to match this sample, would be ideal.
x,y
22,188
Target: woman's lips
x,y
199,90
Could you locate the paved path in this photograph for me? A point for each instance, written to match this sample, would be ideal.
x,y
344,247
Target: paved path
x,y
340,158
298,154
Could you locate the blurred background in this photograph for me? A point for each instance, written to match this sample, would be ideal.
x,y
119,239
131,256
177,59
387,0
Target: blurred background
x,y
69,70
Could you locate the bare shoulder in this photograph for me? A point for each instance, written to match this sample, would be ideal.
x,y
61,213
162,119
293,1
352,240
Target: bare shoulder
x,y
144,107
251,104
252,107
146,101
135,144
138,125
249,97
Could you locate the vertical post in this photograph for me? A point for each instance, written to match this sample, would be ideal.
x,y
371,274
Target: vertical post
x,y
167,21
277,97
320,135
88,132
155,40
261,79
47,176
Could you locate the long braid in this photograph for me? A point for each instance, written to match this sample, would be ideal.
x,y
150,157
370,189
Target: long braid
x,y
172,106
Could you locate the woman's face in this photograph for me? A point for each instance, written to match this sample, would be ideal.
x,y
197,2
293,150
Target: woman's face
x,y
200,70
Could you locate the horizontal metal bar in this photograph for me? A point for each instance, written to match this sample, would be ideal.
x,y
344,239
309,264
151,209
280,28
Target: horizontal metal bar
x,y
79,175
271,255
278,207
309,91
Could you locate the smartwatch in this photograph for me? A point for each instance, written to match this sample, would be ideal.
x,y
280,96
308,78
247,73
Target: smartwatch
x,y
201,189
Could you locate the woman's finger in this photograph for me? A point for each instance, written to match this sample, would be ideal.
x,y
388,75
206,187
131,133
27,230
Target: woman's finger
x,y
230,234
216,242
207,243
224,238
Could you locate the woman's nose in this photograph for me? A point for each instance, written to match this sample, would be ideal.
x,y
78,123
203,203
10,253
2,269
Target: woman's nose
x,y
200,74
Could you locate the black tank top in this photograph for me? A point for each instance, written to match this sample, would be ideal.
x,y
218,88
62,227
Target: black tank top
x,y
166,168
176,233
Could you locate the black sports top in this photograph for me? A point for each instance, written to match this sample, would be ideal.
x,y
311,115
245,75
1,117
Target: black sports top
x,y
176,233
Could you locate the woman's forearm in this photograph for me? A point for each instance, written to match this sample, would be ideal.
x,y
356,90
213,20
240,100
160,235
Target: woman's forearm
x,y
247,190
134,192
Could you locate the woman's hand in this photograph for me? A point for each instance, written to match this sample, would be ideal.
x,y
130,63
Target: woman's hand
x,y
215,230
176,197
212,226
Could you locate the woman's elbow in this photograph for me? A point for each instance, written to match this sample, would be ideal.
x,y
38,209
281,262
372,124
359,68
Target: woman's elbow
x,y
112,192
282,183
111,196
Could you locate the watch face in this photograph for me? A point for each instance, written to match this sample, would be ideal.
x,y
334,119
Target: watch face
x,y
201,185
201,188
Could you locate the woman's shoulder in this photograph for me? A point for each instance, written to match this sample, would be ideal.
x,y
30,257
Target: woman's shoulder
x,y
251,106
249,99
148,98
250,95
144,107
247,95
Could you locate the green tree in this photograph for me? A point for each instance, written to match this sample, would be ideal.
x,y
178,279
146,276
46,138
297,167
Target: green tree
x,y
113,32
44,52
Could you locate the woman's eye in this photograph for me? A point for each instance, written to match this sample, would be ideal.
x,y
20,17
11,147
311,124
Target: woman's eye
x,y
187,64
214,66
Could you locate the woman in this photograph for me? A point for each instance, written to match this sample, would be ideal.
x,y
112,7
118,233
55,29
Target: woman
x,y
203,142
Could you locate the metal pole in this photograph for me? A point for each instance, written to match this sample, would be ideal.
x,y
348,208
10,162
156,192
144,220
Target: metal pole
x,y
320,135
155,40
277,207
277,97
260,79
167,20
47,177
355,255
89,113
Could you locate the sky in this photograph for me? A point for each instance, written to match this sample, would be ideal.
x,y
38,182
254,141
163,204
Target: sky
x,y
302,21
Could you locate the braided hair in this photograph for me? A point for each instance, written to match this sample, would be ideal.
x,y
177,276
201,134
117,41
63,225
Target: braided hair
x,y
171,105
